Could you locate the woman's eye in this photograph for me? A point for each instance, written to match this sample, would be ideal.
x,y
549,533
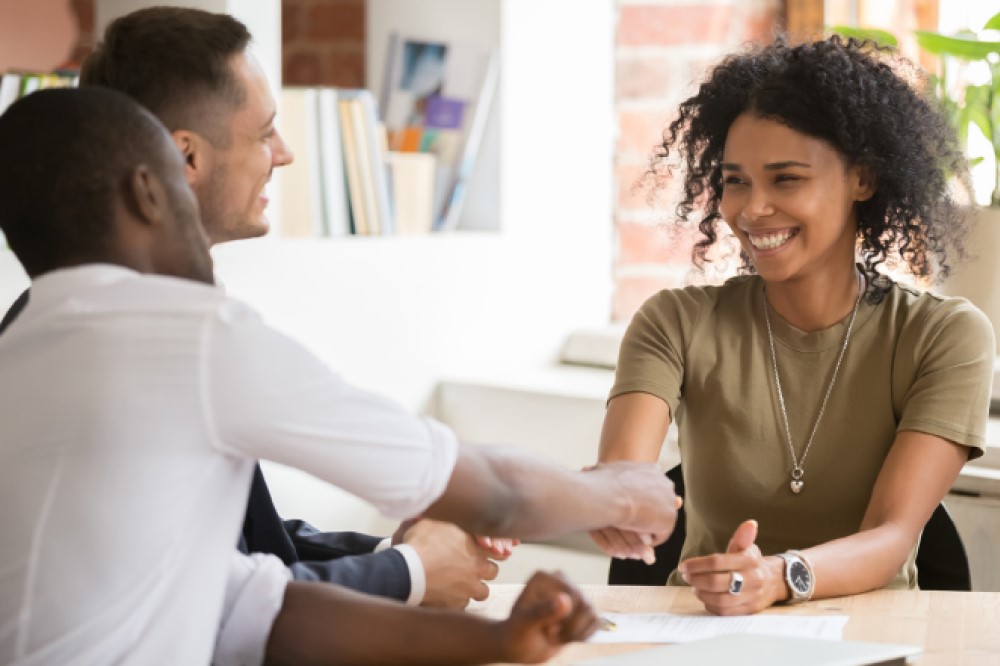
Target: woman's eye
x,y
785,178
732,180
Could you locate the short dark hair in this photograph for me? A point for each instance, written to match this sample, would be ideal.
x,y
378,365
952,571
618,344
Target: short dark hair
x,y
862,100
175,61
67,154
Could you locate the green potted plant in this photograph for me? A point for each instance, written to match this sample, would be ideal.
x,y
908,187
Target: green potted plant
x,y
968,104
973,106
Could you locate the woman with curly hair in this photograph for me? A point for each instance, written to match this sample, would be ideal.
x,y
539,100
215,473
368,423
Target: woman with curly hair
x,y
823,409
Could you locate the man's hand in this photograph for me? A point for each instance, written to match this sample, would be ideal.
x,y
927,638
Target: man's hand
x,y
549,613
454,564
652,510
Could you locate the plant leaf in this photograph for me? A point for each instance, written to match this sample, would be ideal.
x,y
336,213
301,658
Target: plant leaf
x,y
881,37
993,23
977,106
957,47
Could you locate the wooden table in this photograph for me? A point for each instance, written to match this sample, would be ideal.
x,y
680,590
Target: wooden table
x,y
954,628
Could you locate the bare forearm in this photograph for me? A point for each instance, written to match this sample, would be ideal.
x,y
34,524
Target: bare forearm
x,y
324,624
502,492
860,562
634,428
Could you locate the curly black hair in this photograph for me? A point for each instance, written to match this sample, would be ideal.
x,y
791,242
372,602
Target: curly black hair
x,y
856,96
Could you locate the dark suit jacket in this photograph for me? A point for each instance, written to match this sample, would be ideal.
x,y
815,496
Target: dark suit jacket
x,y
344,558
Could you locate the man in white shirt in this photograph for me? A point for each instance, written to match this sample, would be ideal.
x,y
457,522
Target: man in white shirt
x,y
191,69
136,393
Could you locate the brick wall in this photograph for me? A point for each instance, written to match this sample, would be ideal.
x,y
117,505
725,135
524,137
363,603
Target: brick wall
x,y
83,10
664,46
323,41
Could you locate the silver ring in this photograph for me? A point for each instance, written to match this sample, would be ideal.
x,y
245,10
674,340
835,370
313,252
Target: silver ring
x,y
735,582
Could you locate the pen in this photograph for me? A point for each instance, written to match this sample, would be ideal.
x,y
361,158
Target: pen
x,y
607,625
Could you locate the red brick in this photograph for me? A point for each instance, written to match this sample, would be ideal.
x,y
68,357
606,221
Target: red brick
x,y
644,77
759,25
291,21
640,131
345,68
337,21
631,292
632,186
84,12
652,25
301,68
659,244
640,190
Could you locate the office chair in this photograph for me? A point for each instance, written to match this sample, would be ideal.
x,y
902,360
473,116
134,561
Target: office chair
x,y
941,560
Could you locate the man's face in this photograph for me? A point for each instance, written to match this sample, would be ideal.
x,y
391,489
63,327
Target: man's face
x,y
231,195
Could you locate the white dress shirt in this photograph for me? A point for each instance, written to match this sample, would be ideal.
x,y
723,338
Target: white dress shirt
x,y
132,408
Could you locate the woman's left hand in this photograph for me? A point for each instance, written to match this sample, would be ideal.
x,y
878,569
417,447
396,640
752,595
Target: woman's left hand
x,y
740,581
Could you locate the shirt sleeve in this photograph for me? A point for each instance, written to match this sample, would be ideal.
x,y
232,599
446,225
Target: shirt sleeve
x,y
415,567
255,590
953,360
651,358
267,397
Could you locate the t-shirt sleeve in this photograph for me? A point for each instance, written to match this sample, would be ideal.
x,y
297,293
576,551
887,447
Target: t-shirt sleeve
x,y
651,358
953,361
270,398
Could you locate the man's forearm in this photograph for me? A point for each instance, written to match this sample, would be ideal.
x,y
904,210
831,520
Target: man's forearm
x,y
324,624
504,492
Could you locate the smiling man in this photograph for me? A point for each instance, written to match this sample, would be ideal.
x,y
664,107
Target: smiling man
x,y
194,71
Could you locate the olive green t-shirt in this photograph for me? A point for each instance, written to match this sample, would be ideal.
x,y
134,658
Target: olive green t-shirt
x,y
915,361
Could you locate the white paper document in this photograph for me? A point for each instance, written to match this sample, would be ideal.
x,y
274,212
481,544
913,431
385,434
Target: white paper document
x,y
673,628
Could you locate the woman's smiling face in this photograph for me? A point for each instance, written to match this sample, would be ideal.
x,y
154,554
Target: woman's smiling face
x,y
789,198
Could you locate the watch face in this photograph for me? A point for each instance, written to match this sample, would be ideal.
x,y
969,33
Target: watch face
x,y
798,575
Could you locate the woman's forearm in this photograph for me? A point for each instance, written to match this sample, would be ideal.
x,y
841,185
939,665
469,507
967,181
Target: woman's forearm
x,y
860,562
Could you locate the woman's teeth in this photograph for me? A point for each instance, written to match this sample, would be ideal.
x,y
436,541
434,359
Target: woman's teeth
x,y
770,241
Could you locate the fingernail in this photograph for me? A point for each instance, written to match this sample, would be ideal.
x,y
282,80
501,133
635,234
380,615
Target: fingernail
x,y
646,539
488,542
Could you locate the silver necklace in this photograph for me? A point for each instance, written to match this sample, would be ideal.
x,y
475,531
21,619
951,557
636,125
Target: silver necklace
x,y
798,470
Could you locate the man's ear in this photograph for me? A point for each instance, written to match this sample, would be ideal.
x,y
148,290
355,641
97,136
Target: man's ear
x,y
193,150
866,185
146,196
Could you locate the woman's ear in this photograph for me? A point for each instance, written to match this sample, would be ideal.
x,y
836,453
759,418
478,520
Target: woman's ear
x,y
193,150
865,184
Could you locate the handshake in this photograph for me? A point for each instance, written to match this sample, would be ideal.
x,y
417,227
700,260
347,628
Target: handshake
x,y
650,510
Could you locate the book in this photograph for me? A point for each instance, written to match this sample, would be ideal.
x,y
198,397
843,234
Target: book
x,y
10,88
371,146
338,183
412,184
17,84
336,202
302,213
436,97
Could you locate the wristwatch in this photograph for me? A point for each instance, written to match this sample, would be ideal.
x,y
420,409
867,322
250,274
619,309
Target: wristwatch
x,y
798,576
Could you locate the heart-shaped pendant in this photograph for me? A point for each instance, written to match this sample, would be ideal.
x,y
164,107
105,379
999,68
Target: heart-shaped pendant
x,y
796,486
